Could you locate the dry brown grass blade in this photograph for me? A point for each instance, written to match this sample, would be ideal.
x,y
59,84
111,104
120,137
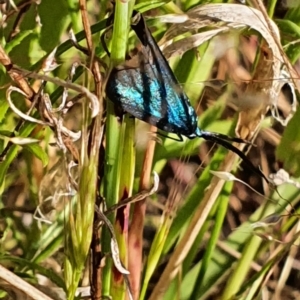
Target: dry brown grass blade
x,y
198,219
15,76
288,264
96,139
223,17
20,286
262,92
178,48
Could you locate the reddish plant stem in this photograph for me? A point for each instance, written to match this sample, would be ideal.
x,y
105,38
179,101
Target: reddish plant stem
x,y
135,237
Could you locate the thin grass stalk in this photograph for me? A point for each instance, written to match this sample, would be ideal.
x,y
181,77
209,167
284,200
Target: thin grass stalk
x,y
221,211
294,218
255,284
288,264
116,277
158,245
256,287
238,276
271,8
189,260
80,226
111,187
192,200
190,3
218,210
79,237
155,253
113,165
222,261
96,137
194,227
127,152
72,271
52,243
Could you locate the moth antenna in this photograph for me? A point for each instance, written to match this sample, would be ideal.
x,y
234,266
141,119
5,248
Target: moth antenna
x,y
227,138
223,141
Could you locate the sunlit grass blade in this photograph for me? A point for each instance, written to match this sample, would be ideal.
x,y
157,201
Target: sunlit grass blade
x,y
112,155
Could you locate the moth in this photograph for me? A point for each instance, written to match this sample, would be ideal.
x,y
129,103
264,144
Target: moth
x,y
146,87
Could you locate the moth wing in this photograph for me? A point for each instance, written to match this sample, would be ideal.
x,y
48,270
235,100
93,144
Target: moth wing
x,y
146,87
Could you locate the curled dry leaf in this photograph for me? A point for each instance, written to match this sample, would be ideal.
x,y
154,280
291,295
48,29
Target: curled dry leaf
x,y
262,92
113,243
19,80
94,102
178,48
116,257
26,117
64,136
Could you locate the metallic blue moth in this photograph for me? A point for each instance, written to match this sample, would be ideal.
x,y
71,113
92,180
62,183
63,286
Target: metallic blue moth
x,y
146,87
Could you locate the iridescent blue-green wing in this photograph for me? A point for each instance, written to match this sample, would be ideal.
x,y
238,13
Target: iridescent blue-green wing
x,y
146,88
133,88
177,113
